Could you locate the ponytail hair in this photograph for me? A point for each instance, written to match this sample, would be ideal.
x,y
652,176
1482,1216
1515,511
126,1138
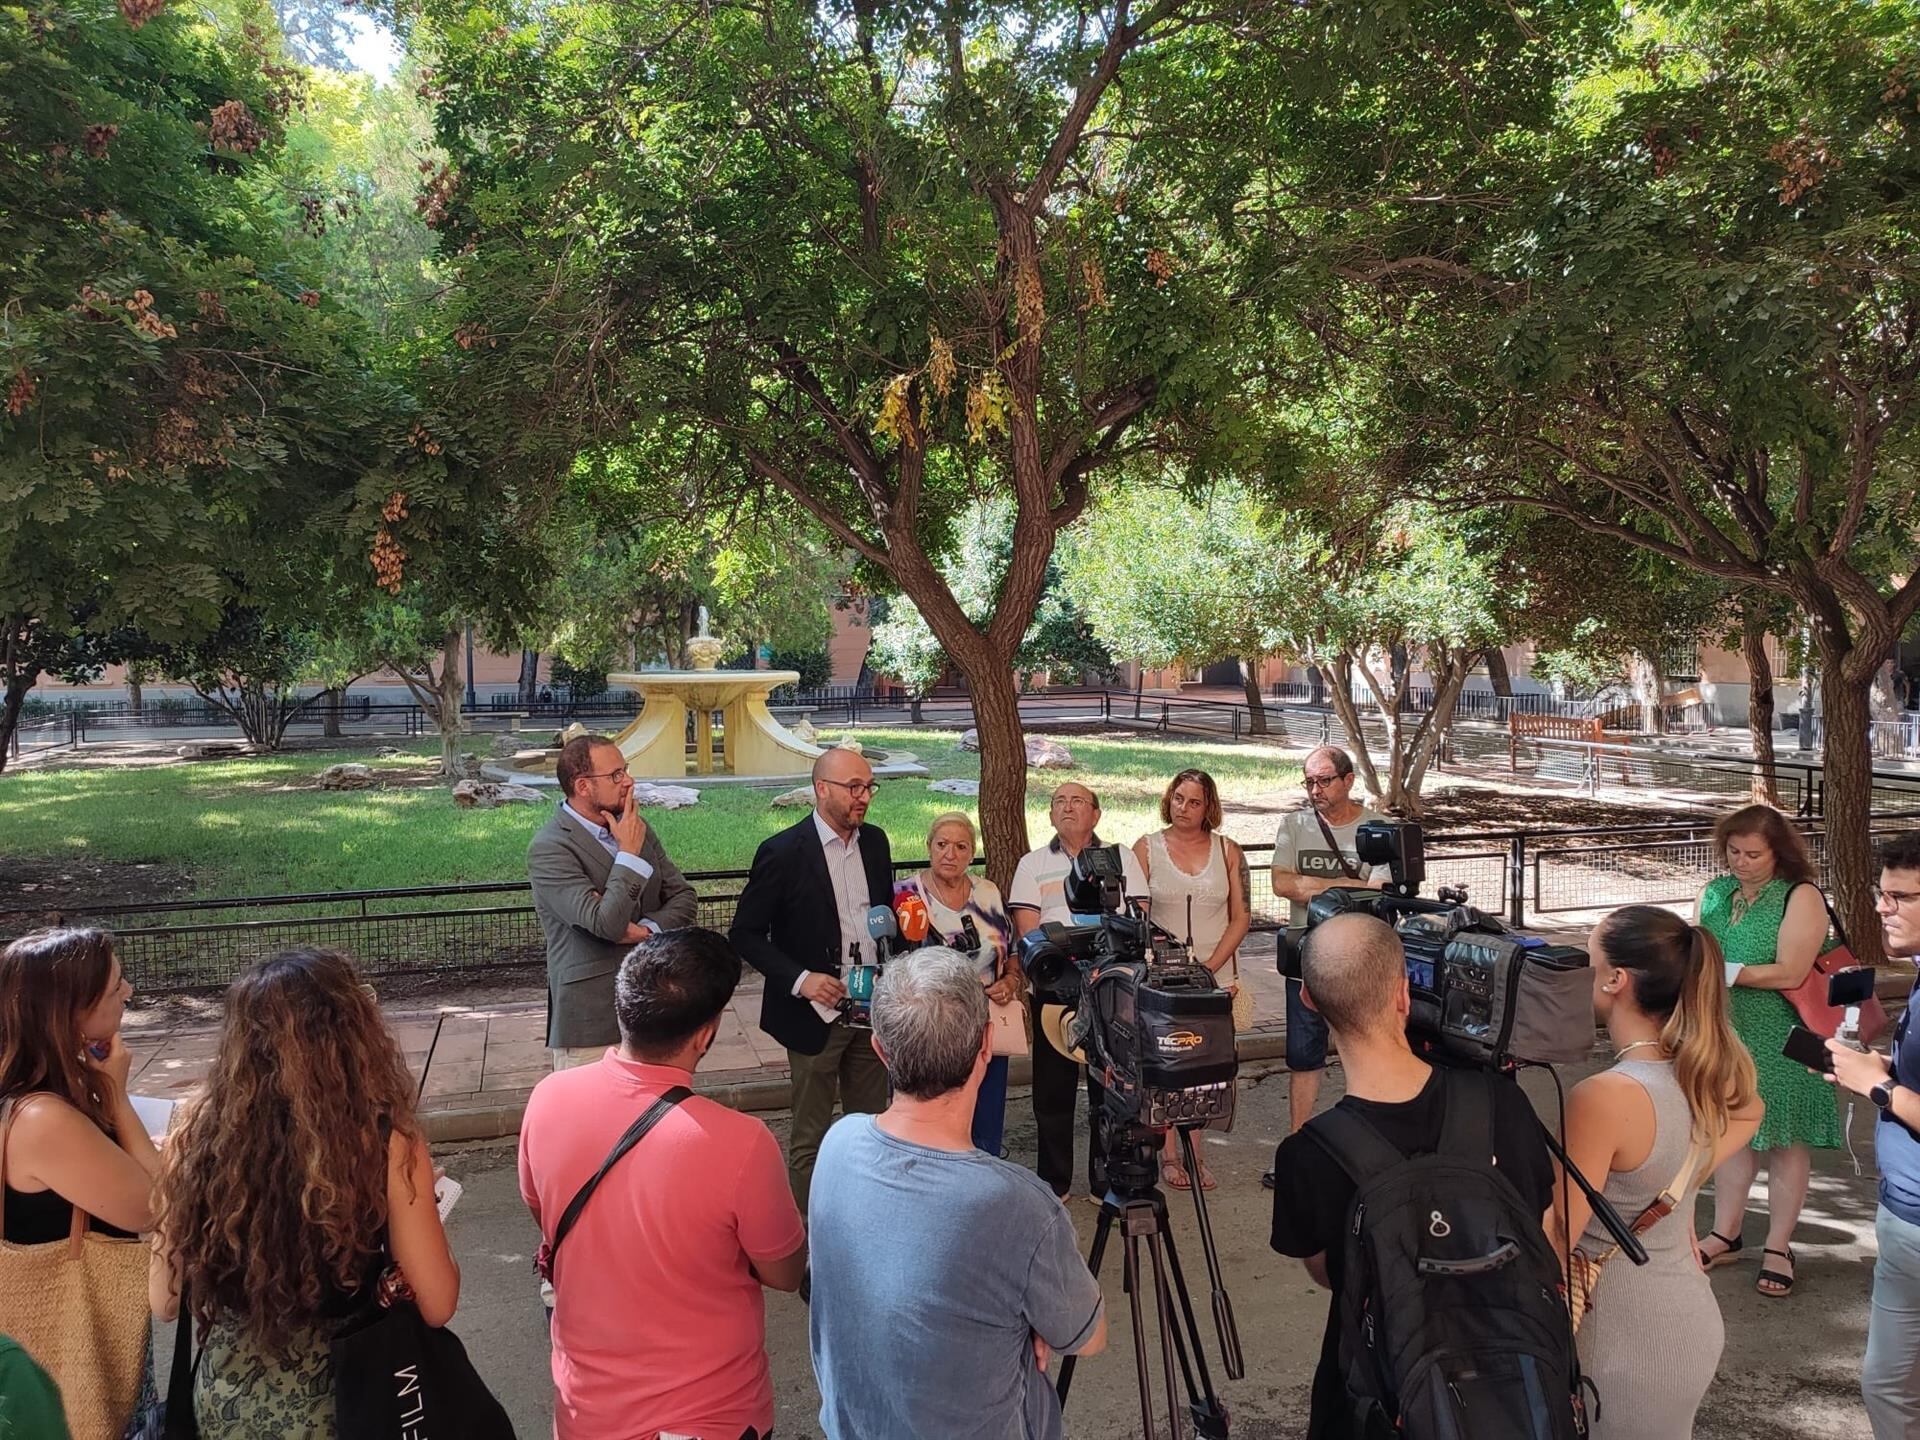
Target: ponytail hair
x,y
1677,979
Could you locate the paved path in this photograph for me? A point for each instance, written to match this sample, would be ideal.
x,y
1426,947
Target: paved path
x,y
480,1062
1790,1370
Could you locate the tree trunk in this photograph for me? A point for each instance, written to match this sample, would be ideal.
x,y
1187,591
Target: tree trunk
x,y
529,678
1847,802
1003,765
330,713
1498,675
1805,726
447,704
135,699
18,684
1432,734
1753,647
1339,677
1644,672
1256,707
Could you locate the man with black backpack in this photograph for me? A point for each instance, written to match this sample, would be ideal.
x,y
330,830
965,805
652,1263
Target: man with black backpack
x,y
1418,1200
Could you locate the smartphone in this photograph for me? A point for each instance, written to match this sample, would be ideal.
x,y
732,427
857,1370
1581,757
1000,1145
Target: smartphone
x,y
99,1049
1808,1049
1852,986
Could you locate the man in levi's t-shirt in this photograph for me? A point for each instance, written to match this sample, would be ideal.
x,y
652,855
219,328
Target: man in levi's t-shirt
x,y
659,1325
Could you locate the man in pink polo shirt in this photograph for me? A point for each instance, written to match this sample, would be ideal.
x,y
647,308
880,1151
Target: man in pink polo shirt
x,y
659,1327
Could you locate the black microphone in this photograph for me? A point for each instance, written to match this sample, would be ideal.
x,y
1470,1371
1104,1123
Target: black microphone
x,y
972,932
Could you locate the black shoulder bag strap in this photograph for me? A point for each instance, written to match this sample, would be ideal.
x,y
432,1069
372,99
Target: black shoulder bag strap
x,y
1833,918
1347,867
636,1132
179,1421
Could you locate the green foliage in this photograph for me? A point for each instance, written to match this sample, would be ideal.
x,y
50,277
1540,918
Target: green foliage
x,y
184,402
815,667
1060,638
581,682
249,666
1171,581
624,581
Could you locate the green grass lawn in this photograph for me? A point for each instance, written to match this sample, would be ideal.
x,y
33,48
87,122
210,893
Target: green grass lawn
x,y
257,826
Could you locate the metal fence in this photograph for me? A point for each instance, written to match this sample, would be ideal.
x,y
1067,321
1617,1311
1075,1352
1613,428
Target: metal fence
x,y
1531,877
38,737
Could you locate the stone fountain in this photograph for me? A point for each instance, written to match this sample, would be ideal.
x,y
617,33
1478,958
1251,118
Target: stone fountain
x,y
757,747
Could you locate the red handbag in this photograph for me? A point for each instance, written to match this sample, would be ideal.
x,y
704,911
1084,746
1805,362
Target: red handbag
x,y
1809,997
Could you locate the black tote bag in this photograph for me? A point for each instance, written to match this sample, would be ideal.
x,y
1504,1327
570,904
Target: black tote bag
x,y
395,1377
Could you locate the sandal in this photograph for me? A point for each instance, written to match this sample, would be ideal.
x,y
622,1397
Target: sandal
x,y
1174,1174
1776,1284
1727,1256
1207,1182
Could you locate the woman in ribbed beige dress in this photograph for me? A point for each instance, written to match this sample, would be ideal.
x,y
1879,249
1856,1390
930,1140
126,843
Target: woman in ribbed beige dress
x,y
1681,1095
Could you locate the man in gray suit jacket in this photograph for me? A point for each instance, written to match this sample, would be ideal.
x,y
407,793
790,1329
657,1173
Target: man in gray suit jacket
x,y
602,883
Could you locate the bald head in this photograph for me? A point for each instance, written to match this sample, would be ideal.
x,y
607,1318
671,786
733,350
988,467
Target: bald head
x,y
838,764
1354,967
842,788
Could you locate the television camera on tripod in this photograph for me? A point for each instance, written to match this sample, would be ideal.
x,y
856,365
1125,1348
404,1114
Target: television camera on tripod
x,y
1158,1031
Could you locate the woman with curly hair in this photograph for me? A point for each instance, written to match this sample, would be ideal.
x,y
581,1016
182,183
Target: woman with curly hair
x,y
298,1179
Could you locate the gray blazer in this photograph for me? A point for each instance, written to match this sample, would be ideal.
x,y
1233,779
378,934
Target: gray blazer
x,y
585,903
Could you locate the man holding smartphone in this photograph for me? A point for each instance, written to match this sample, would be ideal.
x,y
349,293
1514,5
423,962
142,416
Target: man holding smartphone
x,y
1890,1376
602,883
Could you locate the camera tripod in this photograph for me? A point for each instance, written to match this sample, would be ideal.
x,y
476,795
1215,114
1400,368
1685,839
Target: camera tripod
x,y
1135,1200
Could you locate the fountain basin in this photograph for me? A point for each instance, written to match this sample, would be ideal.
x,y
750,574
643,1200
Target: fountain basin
x,y
758,748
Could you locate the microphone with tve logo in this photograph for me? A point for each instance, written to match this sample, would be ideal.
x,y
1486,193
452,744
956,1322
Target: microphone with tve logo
x,y
883,930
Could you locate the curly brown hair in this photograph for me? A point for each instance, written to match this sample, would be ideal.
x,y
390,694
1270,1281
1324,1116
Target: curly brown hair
x,y
273,1201
48,980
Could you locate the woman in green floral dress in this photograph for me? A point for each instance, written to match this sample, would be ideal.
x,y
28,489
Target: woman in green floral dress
x,y
1771,922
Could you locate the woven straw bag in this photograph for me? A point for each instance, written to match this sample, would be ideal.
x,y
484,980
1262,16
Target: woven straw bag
x,y
1583,1270
1242,1000
79,1307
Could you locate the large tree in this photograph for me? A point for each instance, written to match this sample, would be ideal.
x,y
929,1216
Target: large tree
x,y
1369,599
1059,641
880,259
1690,322
177,379
1166,580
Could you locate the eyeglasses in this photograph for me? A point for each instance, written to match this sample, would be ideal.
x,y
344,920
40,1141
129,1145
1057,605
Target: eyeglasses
x,y
1073,802
1897,897
856,788
1321,782
621,774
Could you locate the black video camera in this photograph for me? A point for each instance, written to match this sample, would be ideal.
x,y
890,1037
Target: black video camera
x,y
1157,1031
1482,993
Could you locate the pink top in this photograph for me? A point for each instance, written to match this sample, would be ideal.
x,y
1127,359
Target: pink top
x,y
658,1323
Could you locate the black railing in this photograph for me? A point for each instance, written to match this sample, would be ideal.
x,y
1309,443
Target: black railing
x,y
1531,877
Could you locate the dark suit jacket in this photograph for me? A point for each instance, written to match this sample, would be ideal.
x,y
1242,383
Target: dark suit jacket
x,y
585,903
785,922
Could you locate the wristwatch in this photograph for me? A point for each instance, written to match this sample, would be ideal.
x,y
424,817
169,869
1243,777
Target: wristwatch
x,y
1882,1094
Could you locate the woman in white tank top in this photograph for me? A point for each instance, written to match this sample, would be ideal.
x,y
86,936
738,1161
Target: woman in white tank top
x,y
1197,881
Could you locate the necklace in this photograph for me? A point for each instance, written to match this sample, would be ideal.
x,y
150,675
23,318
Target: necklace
x,y
940,891
1620,1054
1741,902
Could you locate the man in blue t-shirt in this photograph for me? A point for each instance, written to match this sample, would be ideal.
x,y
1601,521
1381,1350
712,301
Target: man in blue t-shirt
x,y
944,1280
1890,1376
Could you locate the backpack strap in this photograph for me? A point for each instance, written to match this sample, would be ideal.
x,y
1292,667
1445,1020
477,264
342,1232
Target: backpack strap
x,y
635,1133
1356,1146
1466,1124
